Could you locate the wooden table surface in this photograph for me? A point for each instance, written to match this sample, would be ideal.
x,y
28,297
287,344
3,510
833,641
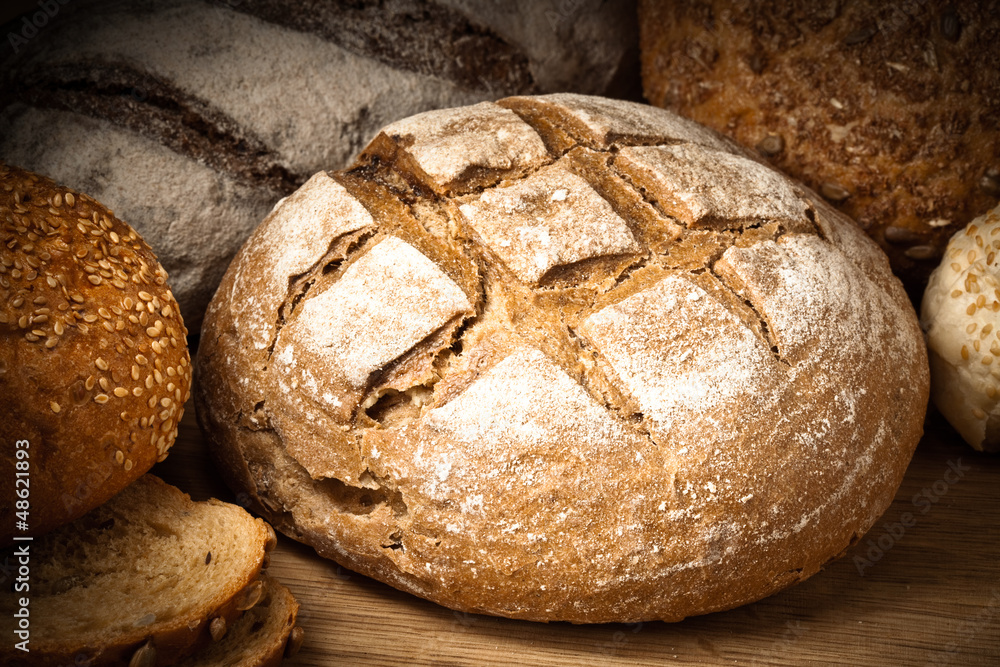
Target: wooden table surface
x,y
929,595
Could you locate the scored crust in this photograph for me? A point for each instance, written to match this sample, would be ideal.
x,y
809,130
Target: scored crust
x,y
698,395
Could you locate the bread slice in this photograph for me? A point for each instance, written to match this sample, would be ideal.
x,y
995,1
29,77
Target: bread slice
x,y
259,638
147,571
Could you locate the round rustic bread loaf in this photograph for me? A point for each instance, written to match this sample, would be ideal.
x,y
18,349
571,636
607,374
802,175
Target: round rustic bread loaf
x,y
890,110
564,358
961,315
94,365
192,118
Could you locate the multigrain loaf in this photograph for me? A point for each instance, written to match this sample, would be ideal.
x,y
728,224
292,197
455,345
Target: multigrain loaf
x,y
146,573
890,110
563,358
94,365
191,118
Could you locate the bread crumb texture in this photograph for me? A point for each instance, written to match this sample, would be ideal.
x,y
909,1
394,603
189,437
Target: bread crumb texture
x,y
961,315
145,572
890,110
564,358
94,366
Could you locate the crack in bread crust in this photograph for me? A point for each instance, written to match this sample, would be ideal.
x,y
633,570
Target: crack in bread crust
x,y
575,387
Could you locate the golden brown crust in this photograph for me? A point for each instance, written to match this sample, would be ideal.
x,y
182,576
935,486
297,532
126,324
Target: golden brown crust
x,y
93,352
641,378
889,110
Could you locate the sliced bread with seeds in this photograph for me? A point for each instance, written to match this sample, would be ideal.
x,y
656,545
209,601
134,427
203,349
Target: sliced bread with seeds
x,y
262,637
138,580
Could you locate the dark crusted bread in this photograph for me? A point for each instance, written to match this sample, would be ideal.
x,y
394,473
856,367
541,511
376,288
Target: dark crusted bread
x,y
564,358
191,118
890,110
261,637
94,365
146,572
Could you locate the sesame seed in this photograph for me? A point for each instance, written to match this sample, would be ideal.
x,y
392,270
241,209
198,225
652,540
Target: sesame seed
x,y
978,414
166,402
137,392
159,376
152,332
987,329
105,385
987,360
101,399
70,199
151,403
128,465
103,312
94,280
141,360
956,293
101,364
972,327
149,382
58,328
121,392
145,296
124,416
965,353
90,317
120,456
51,343
38,332
108,327
971,310
51,281
956,267
55,407
975,345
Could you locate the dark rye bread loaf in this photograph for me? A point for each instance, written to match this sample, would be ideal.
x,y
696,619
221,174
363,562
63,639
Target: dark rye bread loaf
x,y
94,364
890,110
563,358
191,118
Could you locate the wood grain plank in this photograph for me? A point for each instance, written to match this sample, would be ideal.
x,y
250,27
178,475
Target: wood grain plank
x,y
932,597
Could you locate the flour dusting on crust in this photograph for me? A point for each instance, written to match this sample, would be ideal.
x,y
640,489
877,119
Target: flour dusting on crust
x,y
384,304
551,218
